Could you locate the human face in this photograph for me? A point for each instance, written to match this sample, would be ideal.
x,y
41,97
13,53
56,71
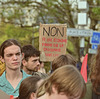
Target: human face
x,y
42,64
61,95
33,63
12,57
82,58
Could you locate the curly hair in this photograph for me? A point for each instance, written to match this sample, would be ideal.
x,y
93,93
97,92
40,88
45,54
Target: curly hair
x,y
95,71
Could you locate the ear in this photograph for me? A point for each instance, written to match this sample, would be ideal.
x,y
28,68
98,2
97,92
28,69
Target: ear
x,y
54,89
24,62
32,95
22,55
2,59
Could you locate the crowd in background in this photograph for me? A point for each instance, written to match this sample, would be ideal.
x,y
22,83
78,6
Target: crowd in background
x,y
22,74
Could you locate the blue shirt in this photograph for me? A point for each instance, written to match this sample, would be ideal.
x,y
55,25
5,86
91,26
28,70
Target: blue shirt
x,y
7,87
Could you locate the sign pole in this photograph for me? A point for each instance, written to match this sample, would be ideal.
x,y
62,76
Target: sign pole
x,y
82,21
82,42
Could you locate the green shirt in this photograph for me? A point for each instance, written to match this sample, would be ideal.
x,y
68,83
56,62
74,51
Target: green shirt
x,y
88,94
7,87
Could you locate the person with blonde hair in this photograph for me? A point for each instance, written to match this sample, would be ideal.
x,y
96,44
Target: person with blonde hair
x,y
2,65
65,82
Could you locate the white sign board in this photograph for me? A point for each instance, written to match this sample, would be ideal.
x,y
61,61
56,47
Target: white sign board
x,y
82,18
82,5
92,51
79,32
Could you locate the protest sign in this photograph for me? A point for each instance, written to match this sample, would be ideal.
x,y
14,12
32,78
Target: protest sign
x,y
3,95
52,41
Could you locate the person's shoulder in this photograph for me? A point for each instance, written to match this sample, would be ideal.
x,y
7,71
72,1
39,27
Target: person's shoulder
x,y
3,75
89,84
42,75
25,74
88,94
2,79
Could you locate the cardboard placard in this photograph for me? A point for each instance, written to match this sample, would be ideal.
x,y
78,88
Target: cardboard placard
x,y
52,41
3,95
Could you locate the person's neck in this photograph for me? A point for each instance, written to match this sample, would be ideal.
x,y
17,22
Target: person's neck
x,y
13,74
14,77
27,71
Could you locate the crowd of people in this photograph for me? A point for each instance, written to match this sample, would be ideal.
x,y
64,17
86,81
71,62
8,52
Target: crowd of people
x,y
24,75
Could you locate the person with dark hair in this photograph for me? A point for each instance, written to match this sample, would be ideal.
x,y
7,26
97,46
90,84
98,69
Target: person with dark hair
x,y
93,86
11,55
65,82
63,60
28,87
30,62
79,63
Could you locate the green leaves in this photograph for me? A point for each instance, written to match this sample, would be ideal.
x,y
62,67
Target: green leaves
x,y
96,11
24,35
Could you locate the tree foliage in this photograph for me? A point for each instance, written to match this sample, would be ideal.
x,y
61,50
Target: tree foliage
x,y
46,11
23,35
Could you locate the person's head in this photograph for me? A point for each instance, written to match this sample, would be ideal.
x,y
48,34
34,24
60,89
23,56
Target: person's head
x,y
82,58
95,71
65,81
63,60
41,64
10,51
28,87
31,58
